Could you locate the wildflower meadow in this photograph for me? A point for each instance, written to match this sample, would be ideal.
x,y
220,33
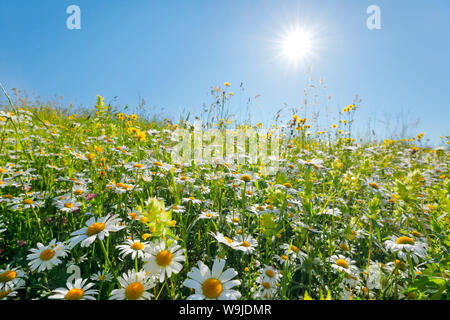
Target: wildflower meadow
x,y
97,205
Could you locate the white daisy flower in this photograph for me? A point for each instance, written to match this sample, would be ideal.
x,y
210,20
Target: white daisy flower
x,y
73,180
78,155
281,259
96,227
268,288
293,252
247,178
208,215
68,205
178,208
270,273
225,240
233,218
247,244
343,264
134,286
26,203
8,293
6,198
403,246
212,284
192,200
120,187
78,290
61,198
134,248
160,165
134,215
11,278
162,260
184,180
136,166
5,183
316,163
46,257
101,276
79,190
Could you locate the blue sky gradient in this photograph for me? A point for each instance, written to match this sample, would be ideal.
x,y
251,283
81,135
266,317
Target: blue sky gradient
x,y
172,52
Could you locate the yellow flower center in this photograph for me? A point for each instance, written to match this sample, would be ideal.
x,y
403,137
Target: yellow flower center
x,y
134,291
164,258
78,192
157,163
405,240
284,257
294,248
245,244
342,263
400,264
74,294
270,273
137,246
4,293
415,233
138,165
28,201
8,275
344,247
123,186
266,285
47,254
374,185
235,219
68,205
288,185
95,228
133,215
212,288
228,239
246,178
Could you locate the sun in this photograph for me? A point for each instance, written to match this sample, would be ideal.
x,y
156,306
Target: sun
x,y
297,45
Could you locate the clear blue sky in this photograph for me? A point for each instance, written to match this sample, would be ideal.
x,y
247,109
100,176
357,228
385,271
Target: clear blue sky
x,y
171,52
